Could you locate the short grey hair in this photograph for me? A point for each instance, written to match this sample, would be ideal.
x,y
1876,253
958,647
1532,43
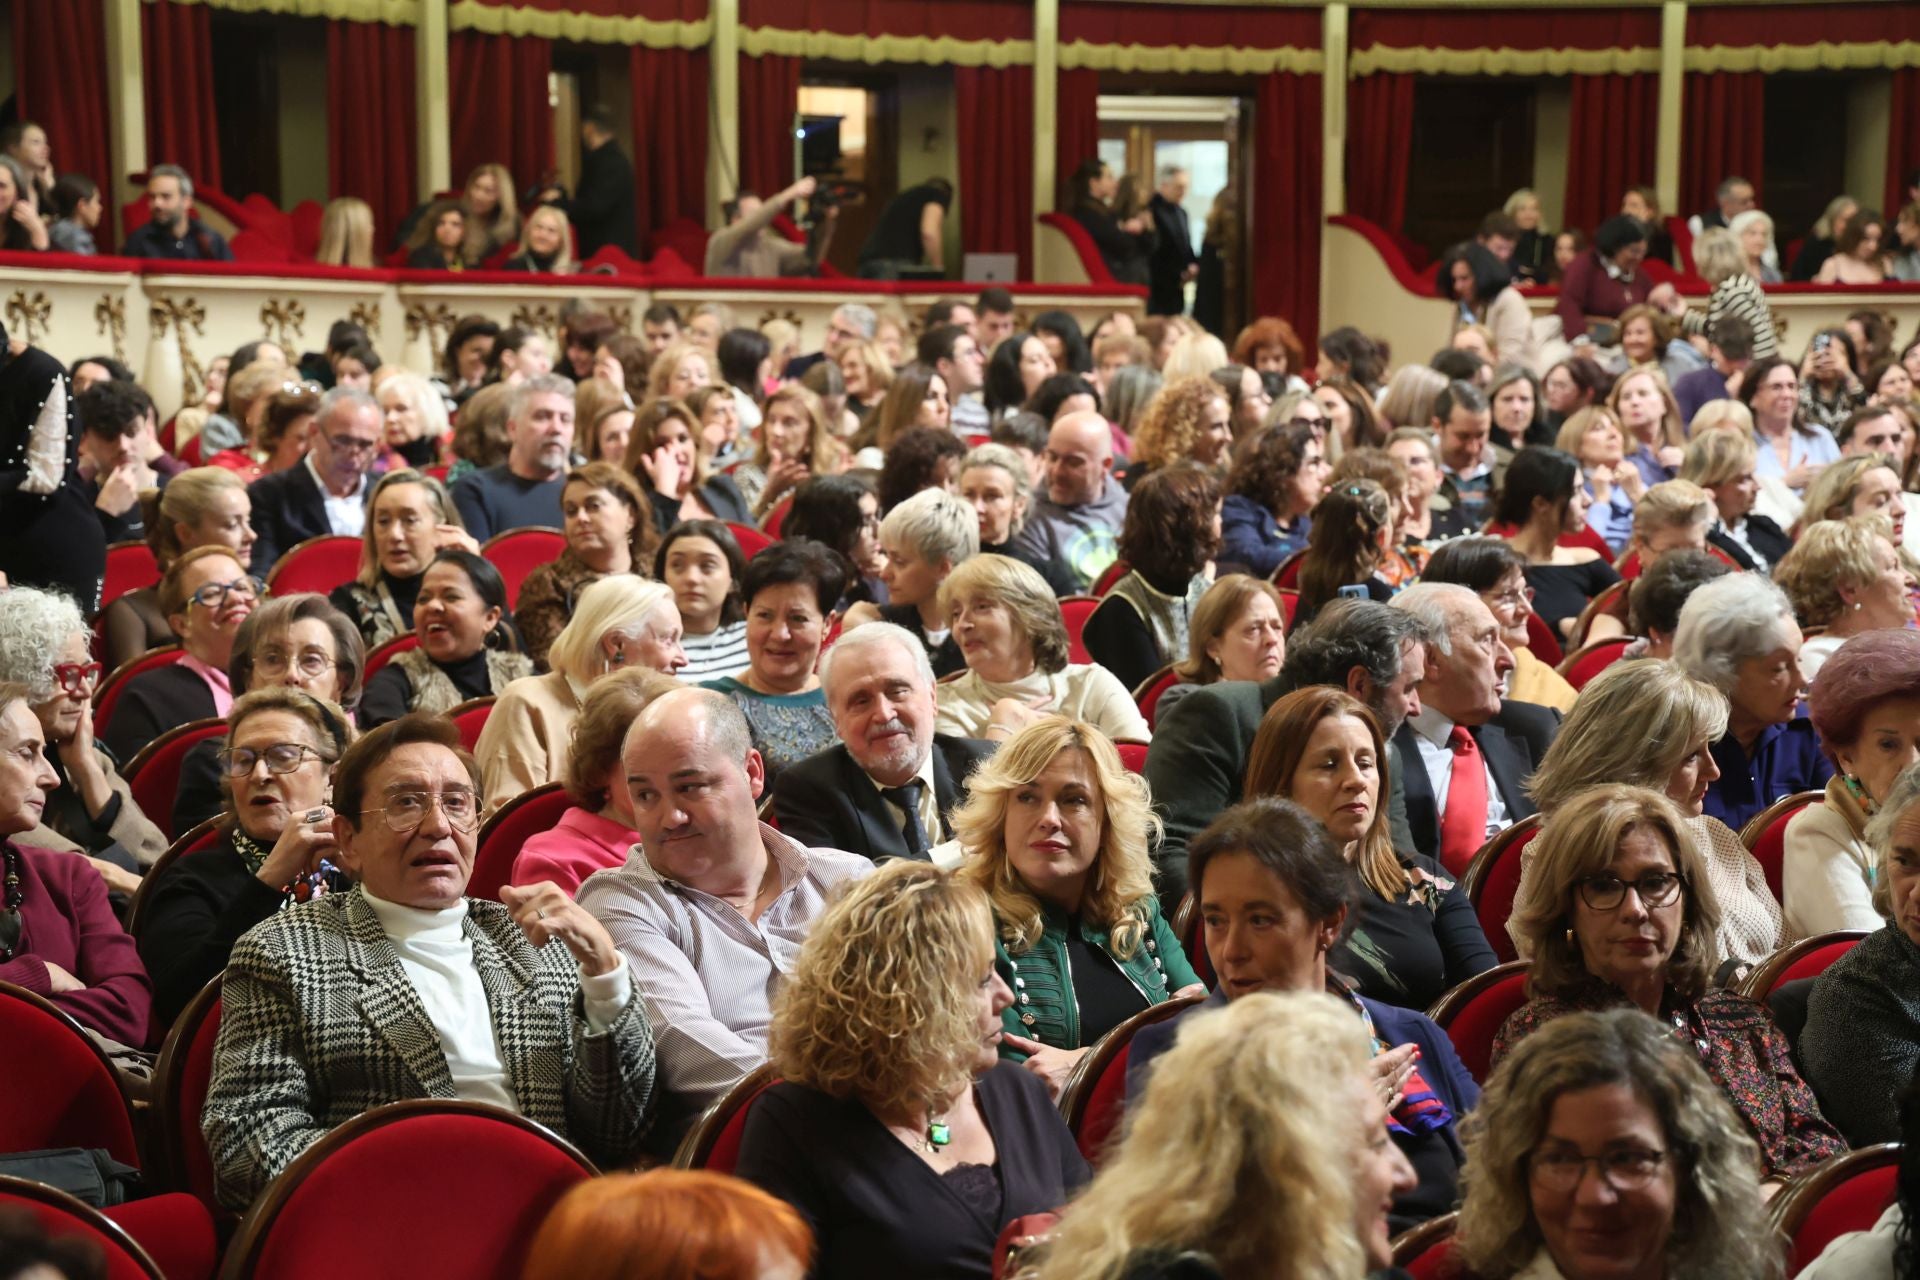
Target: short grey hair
x,y
866,636
999,456
1899,802
175,172
1436,605
33,626
350,398
860,316
1727,621
547,384
937,525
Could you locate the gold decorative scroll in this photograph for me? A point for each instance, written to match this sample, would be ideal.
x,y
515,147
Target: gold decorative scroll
x,y
183,314
1503,62
1189,59
395,13
589,28
936,51
791,316
284,320
28,314
110,321
622,316
432,321
528,316
367,316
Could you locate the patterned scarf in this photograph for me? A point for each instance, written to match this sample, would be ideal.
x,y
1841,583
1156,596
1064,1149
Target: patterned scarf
x,y
1420,1109
314,884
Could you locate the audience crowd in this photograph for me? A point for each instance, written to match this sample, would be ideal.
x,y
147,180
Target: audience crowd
x,y
902,727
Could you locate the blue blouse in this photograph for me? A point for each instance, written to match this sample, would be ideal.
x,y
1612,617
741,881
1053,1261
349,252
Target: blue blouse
x,y
1786,760
1815,445
1250,535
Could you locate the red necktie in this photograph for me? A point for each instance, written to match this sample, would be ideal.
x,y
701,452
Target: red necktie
x,y
1463,822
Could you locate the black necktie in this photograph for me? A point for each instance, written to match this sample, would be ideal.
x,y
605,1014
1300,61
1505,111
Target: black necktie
x,y
907,797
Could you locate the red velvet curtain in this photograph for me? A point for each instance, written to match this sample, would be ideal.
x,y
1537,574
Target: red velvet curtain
x,y
177,54
1903,139
1379,148
670,116
995,110
769,98
59,77
1722,134
370,107
1284,224
1076,127
497,105
1611,137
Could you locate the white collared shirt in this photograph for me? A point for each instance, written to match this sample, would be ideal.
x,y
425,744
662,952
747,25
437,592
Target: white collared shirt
x,y
348,515
1430,733
929,802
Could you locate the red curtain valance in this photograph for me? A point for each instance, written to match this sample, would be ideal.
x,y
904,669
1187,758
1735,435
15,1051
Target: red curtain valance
x,y
957,19
1202,26
1739,26
1505,29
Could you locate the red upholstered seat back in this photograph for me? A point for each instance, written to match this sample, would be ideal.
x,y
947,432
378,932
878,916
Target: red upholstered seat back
x,y
470,717
1148,698
392,649
1854,1203
1288,574
426,1195
1090,260
1105,1106
130,566
1595,658
725,1156
1133,755
1074,611
507,831
1815,962
1473,1026
1289,605
153,776
1502,885
59,1091
1541,640
1769,844
318,564
1436,1262
518,552
752,541
110,688
61,1217
180,1084
772,520
1114,572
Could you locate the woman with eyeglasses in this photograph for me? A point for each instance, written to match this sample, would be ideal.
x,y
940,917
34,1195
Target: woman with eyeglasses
x,y
43,646
466,644
1619,912
207,593
298,641
275,848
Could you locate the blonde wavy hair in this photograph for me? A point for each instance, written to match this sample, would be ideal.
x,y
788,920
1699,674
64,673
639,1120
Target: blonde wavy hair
x,y
1573,432
881,1006
1242,1147
1582,840
619,605
1672,429
1672,712
1723,415
1671,504
1831,494
1830,555
667,365
1174,419
1718,457
1720,1225
1119,895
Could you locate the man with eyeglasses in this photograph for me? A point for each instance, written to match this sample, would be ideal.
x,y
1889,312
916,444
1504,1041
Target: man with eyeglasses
x,y
403,987
850,322
327,491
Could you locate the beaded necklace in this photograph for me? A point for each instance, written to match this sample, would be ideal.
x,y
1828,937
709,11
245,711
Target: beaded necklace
x,y
11,922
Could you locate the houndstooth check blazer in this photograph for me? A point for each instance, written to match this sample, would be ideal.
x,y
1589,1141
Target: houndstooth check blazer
x,y
320,1023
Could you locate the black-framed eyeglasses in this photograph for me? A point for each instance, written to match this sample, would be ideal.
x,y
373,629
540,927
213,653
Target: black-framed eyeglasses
x,y
77,677
281,757
406,810
212,595
1655,889
1627,1169
347,444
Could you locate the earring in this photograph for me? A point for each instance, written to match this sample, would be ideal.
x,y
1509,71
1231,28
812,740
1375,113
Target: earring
x,y
1858,605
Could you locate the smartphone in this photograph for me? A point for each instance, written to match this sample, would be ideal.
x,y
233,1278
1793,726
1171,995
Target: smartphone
x,y
1821,342
1355,591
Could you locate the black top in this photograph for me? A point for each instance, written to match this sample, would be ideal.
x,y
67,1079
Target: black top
x,y
1126,253
193,916
528,260
201,243
128,526
201,793
945,656
896,235
347,599
1813,256
1413,950
1532,260
389,695
1058,576
494,500
1105,995
877,1209
1172,255
152,703
430,257
1768,538
602,208
720,493
48,540
1561,591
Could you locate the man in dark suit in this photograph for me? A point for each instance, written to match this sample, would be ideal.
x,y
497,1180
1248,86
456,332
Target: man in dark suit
x,y
326,491
1198,758
890,786
1174,261
603,207
1464,758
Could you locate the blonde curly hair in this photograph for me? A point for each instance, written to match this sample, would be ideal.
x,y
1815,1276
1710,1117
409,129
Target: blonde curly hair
x,y
1720,1225
881,1006
1242,1147
1119,894
1174,420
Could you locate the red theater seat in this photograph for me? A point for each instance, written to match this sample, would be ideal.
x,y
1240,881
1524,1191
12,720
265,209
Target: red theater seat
x,y
1765,834
1492,881
110,688
153,775
130,567
752,541
1148,695
387,652
1846,1193
203,837
1095,1092
60,1090
714,1141
470,717
180,1081
518,552
1472,1012
506,830
1807,958
62,1216
1588,661
1426,1252
1074,611
318,564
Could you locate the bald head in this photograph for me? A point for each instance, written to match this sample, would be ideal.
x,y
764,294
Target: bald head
x,y
1079,455
694,778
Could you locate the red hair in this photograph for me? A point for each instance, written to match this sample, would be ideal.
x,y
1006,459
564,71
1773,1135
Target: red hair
x,y
1269,331
665,1224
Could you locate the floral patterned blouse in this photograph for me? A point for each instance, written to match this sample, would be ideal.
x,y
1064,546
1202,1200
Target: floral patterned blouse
x,y
1411,950
1741,1048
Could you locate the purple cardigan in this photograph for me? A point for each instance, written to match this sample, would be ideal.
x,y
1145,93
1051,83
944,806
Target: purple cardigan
x,y
66,921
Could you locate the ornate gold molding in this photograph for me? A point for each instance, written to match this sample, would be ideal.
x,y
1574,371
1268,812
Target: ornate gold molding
x,y
110,321
281,317
622,316
591,28
182,314
1877,55
542,317
367,316
395,13
1189,59
28,314
1504,62
433,322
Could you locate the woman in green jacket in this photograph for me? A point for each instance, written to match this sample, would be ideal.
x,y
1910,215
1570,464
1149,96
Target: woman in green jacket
x,y
1057,832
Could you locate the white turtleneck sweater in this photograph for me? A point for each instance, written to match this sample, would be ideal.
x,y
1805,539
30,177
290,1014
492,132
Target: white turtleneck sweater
x,y
437,957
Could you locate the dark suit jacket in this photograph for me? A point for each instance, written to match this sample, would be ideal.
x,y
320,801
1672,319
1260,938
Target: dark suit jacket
x,y
602,208
827,800
1768,538
1197,765
288,508
1513,743
1172,255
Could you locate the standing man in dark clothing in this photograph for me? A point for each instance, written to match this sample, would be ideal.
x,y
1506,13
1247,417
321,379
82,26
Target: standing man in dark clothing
x,y
173,231
1124,243
602,210
1174,261
910,232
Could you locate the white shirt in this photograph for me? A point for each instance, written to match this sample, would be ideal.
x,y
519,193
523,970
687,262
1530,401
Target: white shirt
x,y
348,515
929,805
1430,732
437,957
